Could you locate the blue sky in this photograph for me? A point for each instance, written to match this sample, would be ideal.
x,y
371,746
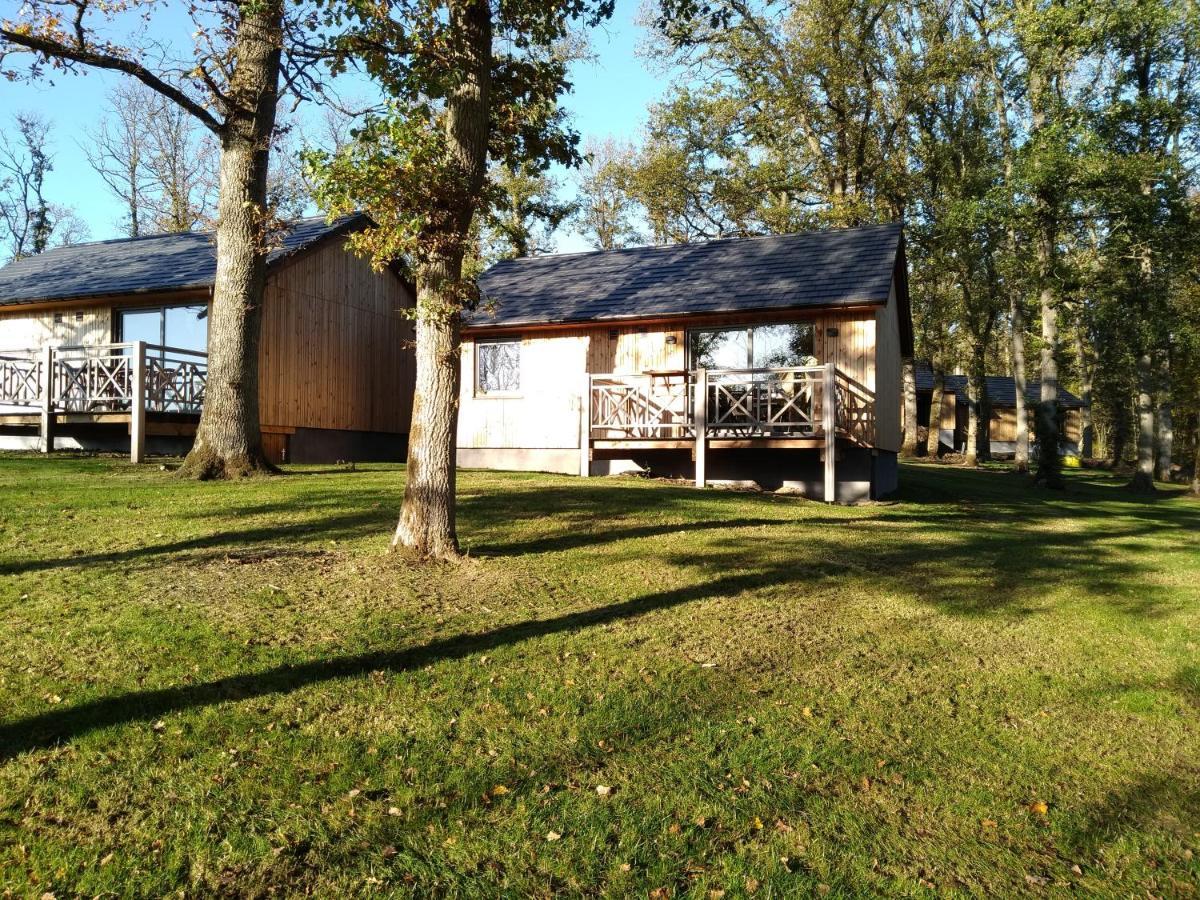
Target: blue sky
x,y
610,98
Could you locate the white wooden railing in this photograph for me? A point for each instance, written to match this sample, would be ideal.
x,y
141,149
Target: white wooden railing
x,y
132,377
806,402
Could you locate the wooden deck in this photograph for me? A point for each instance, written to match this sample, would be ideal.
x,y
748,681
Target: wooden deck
x,y
153,390
808,408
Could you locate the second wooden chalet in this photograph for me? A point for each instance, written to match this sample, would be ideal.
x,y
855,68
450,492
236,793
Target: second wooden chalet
x,y
774,360
104,345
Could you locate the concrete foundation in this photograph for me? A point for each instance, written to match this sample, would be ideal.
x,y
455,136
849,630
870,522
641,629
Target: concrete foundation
x,y
861,474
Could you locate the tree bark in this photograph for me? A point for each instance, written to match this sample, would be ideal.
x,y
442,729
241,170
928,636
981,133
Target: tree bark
x,y
973,392
229,438
1087,430
909,447
1049,470
1143,476
427,517
1166,426
1196,459
934,433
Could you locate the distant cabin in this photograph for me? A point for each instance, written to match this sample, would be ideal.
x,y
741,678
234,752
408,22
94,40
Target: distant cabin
x,y
773,361
117,333
1000,420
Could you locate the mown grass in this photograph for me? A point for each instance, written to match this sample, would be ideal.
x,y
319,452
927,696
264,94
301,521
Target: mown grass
x,y
231,689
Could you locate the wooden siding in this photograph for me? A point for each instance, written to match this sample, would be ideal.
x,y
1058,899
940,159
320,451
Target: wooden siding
x,y
23,330
1003,426
633,349
336,351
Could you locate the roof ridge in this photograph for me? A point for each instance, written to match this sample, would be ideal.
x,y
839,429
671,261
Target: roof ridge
x,y
208,232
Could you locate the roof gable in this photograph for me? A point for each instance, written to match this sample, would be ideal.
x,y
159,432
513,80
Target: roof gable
x,y
813,269
152,264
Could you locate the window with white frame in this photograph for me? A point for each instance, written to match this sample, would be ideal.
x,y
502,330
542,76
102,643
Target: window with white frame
x,y
498,366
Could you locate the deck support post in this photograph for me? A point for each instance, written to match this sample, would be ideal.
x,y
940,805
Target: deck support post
x,y
137,403
585,427
700,425
829,417
46,389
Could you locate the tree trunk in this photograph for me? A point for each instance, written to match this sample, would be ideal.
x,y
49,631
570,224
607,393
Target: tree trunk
x,y
1120,437
229,439
934,432
1017,309
427,518
1049,470
1143,476
1166,427
909,447
973,405
1196,459
1087,430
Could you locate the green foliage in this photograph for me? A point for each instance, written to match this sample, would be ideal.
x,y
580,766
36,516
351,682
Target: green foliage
x,y
406,166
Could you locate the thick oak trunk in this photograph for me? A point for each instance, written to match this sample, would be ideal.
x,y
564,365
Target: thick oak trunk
x,y
909,447
426,524
427,517
1143,476
228,439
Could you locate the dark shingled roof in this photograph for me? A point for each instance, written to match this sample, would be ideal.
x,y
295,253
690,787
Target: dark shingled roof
x,y
822,268
152,264
1001,389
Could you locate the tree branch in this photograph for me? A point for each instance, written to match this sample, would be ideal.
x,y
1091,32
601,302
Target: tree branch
x,y
81,54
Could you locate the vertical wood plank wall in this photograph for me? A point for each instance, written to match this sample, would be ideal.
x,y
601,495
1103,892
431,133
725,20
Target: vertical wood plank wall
x,y
336,352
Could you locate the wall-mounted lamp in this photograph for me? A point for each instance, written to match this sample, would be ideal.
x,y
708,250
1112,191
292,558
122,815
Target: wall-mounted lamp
x,y
672,339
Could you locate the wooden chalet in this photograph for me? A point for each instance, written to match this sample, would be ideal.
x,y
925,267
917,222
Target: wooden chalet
x,y
1000,413
104,345
773,360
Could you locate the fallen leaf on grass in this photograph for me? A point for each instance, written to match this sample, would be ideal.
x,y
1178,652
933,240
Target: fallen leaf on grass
x,y
603,790
1039,808
553,836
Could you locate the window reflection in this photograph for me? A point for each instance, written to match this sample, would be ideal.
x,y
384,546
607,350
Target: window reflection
x,y
775,346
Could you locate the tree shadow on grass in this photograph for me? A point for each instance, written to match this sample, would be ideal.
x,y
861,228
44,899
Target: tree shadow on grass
x,y
51,728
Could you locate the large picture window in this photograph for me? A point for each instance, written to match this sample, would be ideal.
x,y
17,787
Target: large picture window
x,y
776,346
498,367
182,327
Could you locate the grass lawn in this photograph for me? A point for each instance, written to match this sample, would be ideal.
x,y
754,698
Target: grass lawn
x,y
630,688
